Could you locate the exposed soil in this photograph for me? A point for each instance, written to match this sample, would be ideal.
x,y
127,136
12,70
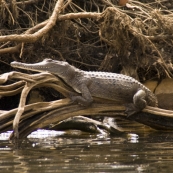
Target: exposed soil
x,y
122,36
134,39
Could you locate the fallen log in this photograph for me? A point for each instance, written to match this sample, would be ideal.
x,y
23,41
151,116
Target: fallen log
x,y
41,114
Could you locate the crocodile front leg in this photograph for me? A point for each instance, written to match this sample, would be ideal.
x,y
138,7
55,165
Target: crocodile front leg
x,y
138,104
86,98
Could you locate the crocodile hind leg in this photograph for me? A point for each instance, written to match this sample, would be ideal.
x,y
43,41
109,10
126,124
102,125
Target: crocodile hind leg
x,y
138,104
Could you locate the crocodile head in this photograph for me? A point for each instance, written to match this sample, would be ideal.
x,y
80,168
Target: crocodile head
x,y
59,68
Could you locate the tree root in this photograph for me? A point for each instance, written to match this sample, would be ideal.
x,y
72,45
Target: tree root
x,y
135,36
132,34
42,114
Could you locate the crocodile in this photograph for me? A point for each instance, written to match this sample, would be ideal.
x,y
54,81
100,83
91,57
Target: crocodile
x,y
112,86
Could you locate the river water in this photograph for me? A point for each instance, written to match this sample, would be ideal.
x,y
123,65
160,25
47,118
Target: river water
x,y
75,151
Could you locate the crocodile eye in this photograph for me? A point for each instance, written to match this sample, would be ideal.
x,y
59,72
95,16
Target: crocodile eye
x,y
47,60
64,63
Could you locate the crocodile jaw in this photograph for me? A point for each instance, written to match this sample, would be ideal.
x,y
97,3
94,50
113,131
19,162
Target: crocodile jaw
x,y
37,67
46,65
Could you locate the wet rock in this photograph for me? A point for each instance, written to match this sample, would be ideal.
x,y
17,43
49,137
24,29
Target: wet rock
x,y
164,93
152,84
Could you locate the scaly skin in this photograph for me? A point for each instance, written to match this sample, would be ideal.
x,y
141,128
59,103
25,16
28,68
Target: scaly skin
x,y
111,86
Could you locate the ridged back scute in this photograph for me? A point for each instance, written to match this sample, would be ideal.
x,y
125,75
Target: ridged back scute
x,y
150,97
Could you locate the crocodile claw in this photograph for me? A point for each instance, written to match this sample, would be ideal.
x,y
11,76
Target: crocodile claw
x,y
131,110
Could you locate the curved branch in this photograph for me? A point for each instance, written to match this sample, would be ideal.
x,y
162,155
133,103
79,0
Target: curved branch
x,y
47,25
18,46
32,115
65,109
21,106
34,37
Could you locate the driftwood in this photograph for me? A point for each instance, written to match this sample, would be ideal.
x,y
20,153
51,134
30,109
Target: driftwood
x,y
42,114
135,36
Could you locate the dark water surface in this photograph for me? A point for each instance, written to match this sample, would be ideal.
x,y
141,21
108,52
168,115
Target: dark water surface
x,y
46,151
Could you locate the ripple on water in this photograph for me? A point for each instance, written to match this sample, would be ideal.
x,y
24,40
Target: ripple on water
x,y
83,152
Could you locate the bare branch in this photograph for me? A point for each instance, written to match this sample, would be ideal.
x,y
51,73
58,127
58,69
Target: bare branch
x,y
36,36
59,110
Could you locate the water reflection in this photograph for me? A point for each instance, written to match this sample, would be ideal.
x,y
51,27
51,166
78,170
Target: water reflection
x,y
133,138
75,151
